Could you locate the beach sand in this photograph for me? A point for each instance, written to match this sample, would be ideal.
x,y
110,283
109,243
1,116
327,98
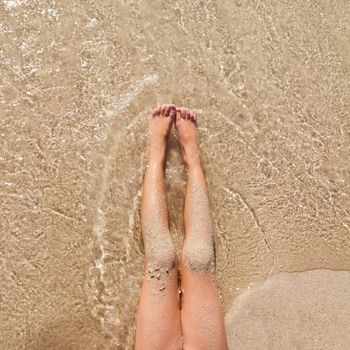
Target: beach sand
x,y
270,83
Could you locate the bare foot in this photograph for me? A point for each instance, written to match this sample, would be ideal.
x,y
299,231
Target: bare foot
x,y
186,127
160,125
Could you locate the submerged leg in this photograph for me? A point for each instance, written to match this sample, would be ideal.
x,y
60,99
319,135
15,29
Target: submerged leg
x,y
158,320
201,315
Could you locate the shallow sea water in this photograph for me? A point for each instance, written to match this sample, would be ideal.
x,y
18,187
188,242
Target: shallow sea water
x,y
270,82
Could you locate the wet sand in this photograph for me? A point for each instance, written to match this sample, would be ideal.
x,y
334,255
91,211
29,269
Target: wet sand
x,y
300,310
270,83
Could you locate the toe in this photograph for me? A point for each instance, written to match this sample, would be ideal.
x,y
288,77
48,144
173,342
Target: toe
x,y
183,113
194,119
172,112
172,107
168,109
178,114
192,116
163,109
156,111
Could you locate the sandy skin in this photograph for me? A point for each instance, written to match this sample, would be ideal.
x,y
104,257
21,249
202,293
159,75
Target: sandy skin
x,y
161,324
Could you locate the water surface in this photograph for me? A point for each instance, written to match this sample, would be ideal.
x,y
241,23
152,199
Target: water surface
x,y
270,84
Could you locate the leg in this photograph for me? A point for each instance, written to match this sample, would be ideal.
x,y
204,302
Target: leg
x,y
158,319
201,315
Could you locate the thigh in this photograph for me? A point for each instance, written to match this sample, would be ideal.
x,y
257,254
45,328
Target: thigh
x,y
201,315
158,321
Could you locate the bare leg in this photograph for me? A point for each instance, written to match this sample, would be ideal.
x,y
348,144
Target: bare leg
x,y
201,315
158,319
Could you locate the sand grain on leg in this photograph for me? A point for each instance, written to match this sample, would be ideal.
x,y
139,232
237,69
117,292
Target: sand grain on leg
x,y
158,320
201,315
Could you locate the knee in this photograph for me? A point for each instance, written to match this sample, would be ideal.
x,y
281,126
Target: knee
x,y
159,247
161,256
198,255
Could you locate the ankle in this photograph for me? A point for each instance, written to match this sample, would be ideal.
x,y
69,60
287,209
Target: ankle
x,y
156,151
155,161
192,159
194,167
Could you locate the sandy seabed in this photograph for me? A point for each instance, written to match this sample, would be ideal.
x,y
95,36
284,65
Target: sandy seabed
x,y
270,83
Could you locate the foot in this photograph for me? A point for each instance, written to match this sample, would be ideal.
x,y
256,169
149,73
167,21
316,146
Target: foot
x,y
160,125
186,127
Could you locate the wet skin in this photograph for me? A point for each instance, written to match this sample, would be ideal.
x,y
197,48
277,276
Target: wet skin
x,y
161,324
